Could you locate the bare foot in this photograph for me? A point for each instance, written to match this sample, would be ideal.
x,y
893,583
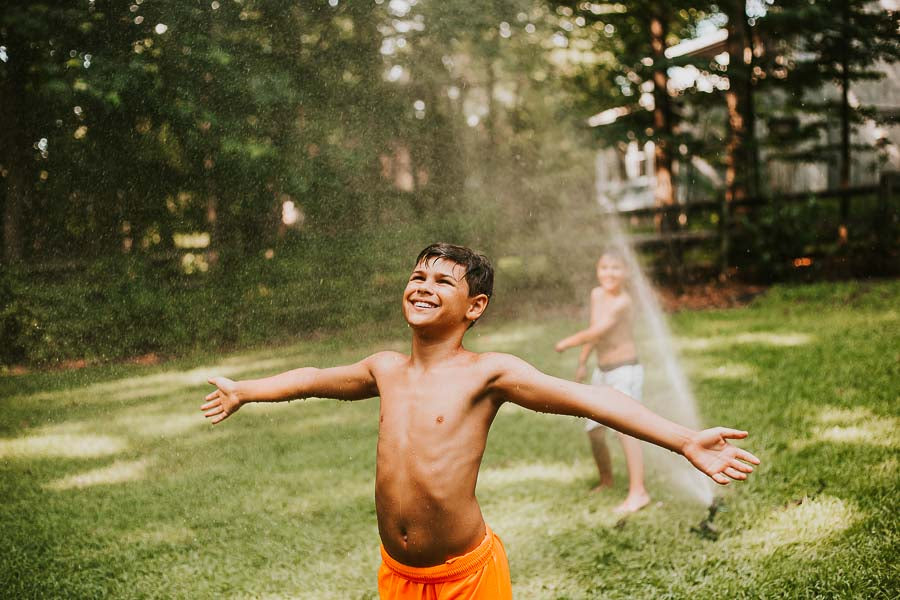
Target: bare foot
x,y
632,504
603,485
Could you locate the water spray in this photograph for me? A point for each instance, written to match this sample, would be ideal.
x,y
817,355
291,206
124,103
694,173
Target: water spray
x,y
675,399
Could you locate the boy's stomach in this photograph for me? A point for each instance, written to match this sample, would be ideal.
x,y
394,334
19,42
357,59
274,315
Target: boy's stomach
x,y
622,354
425,522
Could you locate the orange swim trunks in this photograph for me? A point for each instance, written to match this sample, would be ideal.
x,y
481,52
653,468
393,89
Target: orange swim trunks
x,y
482,574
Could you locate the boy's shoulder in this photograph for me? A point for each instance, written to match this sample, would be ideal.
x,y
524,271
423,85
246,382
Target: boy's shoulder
x,y
387,358
498,363
623,298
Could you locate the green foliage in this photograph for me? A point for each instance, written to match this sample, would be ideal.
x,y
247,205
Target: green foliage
x,y
770,237
18,327
824,43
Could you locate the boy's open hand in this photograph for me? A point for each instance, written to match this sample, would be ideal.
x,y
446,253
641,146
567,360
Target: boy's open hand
x,y
710,452
223,402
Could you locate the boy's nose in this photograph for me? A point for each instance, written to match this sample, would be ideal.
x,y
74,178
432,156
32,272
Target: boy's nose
x,y
423,287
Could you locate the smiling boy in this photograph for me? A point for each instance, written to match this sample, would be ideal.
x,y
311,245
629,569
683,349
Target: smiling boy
x,y
437,405
610,334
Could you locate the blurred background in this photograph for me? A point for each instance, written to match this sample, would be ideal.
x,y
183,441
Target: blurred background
x,y
177,176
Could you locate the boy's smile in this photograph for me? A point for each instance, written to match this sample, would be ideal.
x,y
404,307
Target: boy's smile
x,y
610,273
437,291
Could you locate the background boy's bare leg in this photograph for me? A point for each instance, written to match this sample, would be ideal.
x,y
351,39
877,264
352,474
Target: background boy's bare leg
x,y
634,458
600,450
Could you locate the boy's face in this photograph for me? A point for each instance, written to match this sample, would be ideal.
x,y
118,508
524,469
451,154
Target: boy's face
x,y
610,273
437,294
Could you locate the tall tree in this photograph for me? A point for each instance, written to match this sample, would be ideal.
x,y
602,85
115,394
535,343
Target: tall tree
x,y
832,43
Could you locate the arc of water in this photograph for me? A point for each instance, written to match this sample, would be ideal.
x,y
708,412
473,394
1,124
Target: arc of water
x,y
680,400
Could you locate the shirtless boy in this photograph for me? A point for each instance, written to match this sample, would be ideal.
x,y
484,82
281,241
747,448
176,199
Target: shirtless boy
x,y
437,405
610,334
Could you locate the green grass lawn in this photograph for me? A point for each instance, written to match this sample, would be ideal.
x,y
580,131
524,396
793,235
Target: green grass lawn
x,y
112,484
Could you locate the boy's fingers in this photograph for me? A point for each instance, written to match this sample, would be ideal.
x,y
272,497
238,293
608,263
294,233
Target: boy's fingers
x,y
210,404
720,479
746,456
735,474
212,395
743,467
214,411
733,434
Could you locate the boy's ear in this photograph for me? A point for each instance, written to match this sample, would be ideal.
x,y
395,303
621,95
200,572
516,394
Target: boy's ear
x,y
477,306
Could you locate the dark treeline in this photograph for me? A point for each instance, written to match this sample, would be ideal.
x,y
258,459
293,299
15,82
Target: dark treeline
x,y
176,174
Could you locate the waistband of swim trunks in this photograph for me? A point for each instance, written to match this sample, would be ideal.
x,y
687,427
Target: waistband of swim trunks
x,y
613,366
455,568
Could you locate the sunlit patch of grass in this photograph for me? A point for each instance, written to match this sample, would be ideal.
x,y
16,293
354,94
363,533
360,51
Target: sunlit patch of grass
x,y
160,425
711,370
853,426
879,433
326,421
551,473
804,525
508,339
763,338
159,384
61,445
118,472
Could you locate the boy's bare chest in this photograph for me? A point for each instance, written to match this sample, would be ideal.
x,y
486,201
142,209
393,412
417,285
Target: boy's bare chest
x,y
444,398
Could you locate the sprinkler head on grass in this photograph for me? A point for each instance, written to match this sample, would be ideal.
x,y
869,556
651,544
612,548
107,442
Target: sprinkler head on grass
x,y
705,528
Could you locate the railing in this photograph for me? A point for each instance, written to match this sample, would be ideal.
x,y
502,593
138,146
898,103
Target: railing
x,y
714,222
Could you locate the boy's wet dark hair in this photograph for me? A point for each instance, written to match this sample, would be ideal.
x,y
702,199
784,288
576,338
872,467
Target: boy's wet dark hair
x,y
614,252
479,272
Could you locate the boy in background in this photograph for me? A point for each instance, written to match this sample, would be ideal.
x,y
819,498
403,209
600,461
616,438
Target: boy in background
x,y
610,334
437,405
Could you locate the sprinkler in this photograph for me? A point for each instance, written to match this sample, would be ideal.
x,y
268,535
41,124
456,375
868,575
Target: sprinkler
x,y
705,528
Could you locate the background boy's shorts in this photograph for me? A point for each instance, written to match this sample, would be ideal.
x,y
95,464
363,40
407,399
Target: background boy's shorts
x,y
482,574
628,379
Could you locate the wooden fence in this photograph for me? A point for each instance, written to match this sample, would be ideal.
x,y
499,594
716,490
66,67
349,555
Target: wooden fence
x,y
716,223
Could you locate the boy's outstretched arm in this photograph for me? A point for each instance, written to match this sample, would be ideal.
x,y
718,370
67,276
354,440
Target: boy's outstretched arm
x,y
708,450
349,382
601,325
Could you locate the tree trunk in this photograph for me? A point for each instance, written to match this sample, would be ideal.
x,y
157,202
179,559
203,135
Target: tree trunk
x,y
844,181
212,221
491,119
739,102
15,149
664,191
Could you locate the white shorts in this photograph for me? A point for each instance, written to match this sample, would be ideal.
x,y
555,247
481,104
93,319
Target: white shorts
x,y
628,379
